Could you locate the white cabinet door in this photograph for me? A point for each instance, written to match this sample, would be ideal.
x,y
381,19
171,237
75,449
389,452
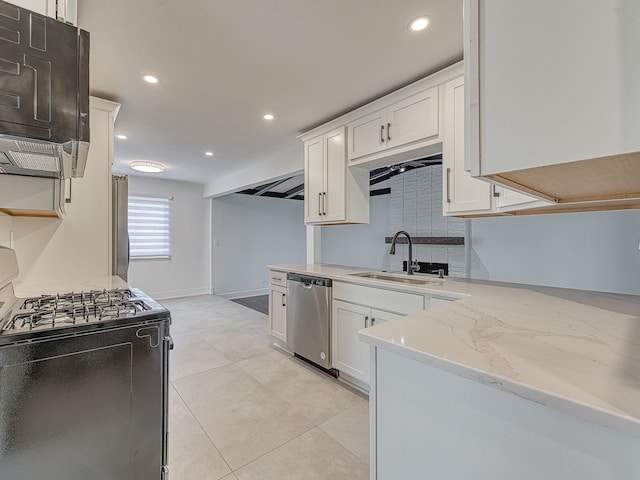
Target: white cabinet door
x,y
314,173
412,119
409,120
335,157
367,134
349,354
380,316
278,312
333,193
461,192
563,94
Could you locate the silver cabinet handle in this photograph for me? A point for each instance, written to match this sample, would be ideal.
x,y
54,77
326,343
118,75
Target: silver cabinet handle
x,y
283,304
388,132
381,133
320,204
366,321
448,185
324,203
373,321
496,193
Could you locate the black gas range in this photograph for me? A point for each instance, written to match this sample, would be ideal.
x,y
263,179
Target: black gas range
x,y
84,380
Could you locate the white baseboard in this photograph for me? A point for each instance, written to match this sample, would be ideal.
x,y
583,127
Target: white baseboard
x,y
167,294
244,293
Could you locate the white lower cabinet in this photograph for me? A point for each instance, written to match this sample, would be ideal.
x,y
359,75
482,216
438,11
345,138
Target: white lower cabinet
x,y
349,354
355,307
278,305
278,312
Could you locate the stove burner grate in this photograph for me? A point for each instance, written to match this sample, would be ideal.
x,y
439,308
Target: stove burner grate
x,y
70,308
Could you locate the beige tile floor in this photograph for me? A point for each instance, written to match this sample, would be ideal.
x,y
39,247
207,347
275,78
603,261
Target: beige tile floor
x,y
241,409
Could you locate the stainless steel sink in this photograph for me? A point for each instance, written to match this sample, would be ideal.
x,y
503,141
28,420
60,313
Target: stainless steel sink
x,y
408,280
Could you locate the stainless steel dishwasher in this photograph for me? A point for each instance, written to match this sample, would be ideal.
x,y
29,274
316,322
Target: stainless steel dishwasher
x,y
309,319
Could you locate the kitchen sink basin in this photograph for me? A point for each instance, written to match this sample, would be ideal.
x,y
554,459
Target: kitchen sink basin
x,y
406,279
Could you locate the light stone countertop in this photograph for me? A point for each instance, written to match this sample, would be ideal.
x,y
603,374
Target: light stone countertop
x,y
572,350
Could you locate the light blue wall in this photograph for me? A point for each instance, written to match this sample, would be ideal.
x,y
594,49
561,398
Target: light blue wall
x,y
249,233
587,251
359,245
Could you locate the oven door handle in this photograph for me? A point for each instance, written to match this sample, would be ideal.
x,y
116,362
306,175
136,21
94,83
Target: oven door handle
x,y
167,345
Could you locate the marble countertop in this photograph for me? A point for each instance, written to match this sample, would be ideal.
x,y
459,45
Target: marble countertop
x,y
572,350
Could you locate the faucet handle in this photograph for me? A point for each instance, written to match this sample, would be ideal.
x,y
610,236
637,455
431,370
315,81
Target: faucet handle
x,y
415,266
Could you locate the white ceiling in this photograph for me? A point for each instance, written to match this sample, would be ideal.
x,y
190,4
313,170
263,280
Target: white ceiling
x,y
223,64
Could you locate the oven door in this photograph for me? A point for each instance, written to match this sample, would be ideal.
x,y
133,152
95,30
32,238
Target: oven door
x,y
84,406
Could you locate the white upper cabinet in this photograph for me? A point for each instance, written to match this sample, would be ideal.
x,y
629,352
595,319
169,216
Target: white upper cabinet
x,y
64,10
413,119
461,193
553,105
404,122
333,193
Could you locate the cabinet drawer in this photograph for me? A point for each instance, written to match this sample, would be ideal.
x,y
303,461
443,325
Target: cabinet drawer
x,y
379,298
278,278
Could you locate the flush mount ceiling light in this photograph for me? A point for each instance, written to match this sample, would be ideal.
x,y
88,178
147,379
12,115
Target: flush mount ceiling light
x,y
419,23
209,154
268,116
150,79
146,167
122,137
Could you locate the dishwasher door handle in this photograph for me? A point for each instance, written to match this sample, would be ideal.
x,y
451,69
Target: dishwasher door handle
x,y
306,285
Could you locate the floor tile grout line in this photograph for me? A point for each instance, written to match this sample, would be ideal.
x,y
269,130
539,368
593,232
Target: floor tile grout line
x,y
275,448
204,431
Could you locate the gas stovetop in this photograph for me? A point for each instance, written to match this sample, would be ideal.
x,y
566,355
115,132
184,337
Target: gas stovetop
x,y
52,312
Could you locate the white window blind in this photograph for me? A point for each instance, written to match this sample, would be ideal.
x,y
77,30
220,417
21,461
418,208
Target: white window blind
x,y
149,227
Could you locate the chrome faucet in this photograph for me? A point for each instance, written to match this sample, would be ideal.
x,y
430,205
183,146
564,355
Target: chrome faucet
x,y
411,267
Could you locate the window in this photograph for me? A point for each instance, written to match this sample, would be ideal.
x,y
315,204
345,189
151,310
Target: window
x,y
149,227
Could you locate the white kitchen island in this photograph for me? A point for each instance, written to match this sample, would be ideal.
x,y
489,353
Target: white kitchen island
x,y
510,382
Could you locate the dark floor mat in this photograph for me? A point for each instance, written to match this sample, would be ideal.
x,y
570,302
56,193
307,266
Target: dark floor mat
x,y
259,303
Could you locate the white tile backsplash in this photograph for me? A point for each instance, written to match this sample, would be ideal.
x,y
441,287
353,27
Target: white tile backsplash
x,y
416,206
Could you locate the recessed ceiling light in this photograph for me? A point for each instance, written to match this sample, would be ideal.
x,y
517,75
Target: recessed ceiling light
x,y
209,154
150,79
146,167
268,116
122,137
419,23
